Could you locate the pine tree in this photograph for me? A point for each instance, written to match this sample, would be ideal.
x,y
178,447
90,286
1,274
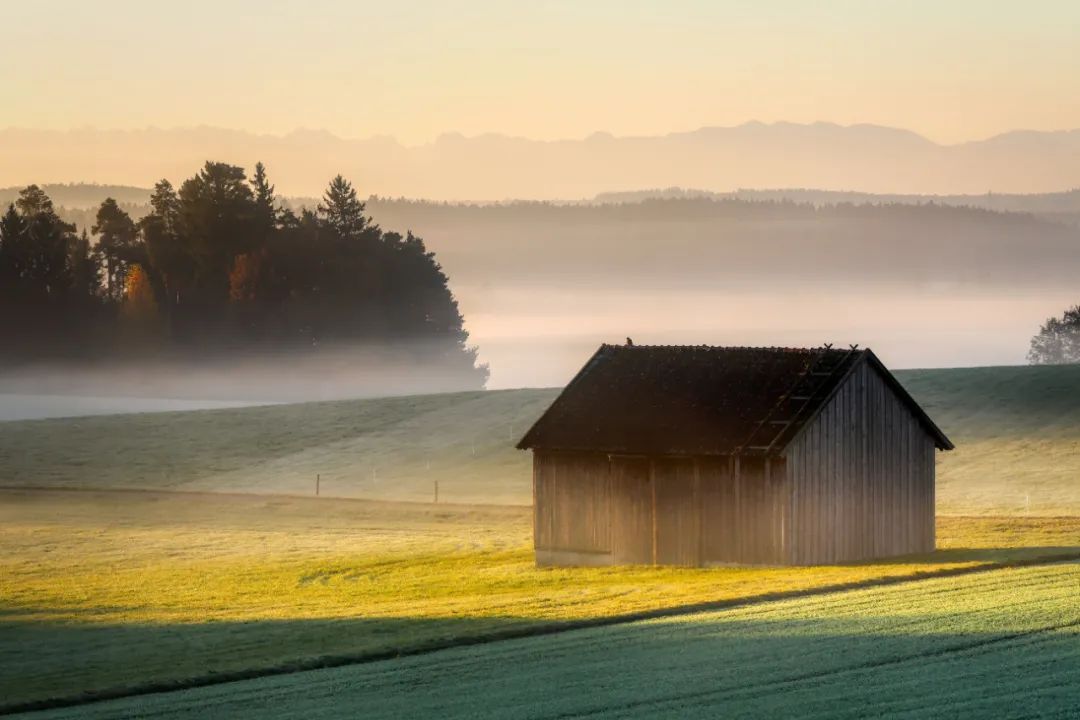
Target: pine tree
x,y
85,269
217,208
341,209
118,243
45,271
265,211
13,252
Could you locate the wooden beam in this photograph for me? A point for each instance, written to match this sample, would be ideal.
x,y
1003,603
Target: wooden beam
x,y
652,488
700,504
736,477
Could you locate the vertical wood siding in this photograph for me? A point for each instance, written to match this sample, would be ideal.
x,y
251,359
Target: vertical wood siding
x,y
667,511
861,478
720,521
858,483
572,502
678,512
631,511
744,510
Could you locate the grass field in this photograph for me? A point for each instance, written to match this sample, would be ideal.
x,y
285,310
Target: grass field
x,y
107,590
388,448
163,585
1017,431
1004,644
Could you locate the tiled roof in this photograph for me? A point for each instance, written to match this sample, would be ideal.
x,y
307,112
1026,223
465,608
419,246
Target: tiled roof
x,y
696,400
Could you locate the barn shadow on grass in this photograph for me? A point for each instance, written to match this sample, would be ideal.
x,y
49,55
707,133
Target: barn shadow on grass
x,y
780,666
952,556
46,663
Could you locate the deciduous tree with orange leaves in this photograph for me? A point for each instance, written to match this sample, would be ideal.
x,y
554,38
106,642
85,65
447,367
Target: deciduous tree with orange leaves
x,y
244,277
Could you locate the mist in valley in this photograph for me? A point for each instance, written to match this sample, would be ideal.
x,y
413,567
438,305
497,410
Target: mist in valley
x,y
53,388
540,285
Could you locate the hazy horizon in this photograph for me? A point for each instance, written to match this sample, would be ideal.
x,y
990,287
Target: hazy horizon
x,y
495,167
593,133
566,101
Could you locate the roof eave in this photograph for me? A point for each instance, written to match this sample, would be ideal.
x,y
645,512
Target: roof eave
x,y
941,441
526,442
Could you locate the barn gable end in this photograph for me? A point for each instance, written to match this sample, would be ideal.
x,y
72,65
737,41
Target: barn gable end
x,y
861,474
699,455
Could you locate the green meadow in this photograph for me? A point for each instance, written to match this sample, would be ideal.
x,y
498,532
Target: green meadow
x,y
175,550
999,644
110,592
1017,431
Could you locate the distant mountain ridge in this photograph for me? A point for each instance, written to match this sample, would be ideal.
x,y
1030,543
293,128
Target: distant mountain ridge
x,y
874,159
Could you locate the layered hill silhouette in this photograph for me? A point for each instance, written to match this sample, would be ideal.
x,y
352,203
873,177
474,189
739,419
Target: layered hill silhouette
x,y
869,158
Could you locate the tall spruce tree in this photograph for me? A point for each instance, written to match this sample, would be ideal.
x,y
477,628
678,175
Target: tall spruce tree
x,y
46,272
341,210
118,242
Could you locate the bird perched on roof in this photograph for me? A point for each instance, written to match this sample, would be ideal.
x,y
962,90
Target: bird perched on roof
x,y
629,342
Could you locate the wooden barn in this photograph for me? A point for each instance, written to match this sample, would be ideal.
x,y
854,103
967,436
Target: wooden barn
x,y
711,455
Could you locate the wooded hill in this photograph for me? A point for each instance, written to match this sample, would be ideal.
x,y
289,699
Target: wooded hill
x,y
691,238
218,265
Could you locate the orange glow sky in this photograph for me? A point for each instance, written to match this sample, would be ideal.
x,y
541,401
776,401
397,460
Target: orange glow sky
x,y
952,71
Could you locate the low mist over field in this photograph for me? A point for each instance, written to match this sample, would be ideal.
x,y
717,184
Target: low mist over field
x,y
925,281
45,388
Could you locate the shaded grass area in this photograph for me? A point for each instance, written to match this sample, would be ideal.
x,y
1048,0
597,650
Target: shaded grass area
x,y
112,590
1017,431
1005,643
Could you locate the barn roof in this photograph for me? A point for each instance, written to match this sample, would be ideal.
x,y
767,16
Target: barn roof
x,y
700,400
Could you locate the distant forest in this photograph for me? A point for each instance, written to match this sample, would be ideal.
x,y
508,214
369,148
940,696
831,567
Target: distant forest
x,y
77,202
673,238
220,266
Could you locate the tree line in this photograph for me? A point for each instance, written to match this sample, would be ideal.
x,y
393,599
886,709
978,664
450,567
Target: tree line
x,y
220,265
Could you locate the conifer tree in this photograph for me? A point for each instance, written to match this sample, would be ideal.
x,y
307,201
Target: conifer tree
x,y
118,241
341,210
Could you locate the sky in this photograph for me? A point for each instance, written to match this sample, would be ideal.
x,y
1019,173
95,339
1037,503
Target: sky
x,y
413,69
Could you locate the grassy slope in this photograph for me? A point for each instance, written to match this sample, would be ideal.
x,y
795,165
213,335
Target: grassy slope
x,y
1017,431
1001,644
390,448
105,590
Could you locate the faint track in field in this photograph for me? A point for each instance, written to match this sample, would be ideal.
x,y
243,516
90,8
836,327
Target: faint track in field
x,y
213,494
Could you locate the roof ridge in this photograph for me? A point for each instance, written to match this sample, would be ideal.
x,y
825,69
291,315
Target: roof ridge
x,y
775,348
699,399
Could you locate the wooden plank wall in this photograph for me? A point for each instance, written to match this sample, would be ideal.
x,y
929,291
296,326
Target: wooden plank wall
x,y
862,478
668,511
571,502
631,511
678,512
744,510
